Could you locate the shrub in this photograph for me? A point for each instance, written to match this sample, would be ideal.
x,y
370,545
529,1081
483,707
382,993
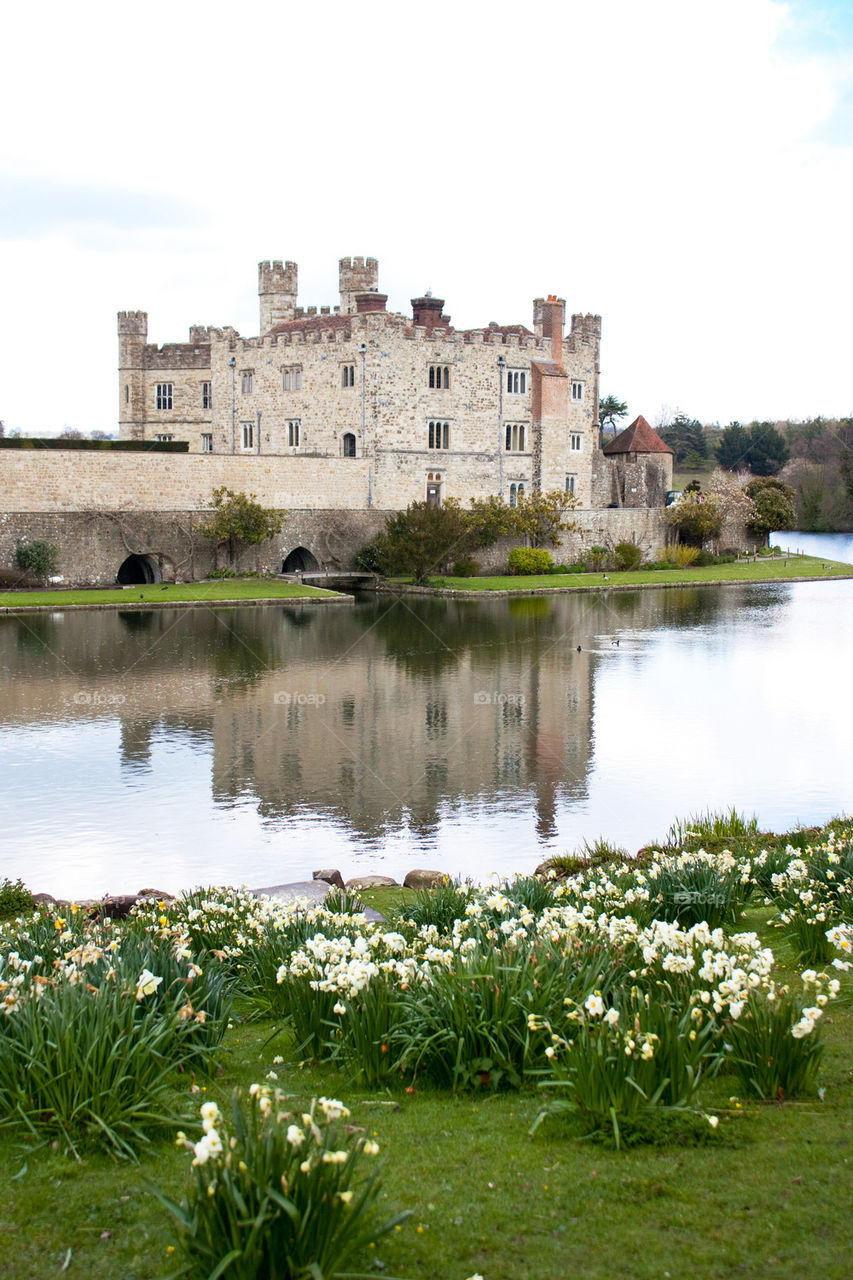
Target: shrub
x,y
597,557
15,898
278,1196
682,556
627,556
37,558
369,558
530,560
465,567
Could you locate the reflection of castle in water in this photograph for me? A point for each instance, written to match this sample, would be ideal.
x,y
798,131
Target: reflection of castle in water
x,y
384,715
453,709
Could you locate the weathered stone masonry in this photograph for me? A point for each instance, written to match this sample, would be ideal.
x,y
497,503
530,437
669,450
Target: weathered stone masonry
x,y
338,416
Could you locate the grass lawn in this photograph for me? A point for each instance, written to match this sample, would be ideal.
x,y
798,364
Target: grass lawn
x,y
765,1195
160,593
778,569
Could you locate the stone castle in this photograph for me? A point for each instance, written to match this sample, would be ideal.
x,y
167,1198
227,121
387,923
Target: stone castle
x,y
362,407
338,416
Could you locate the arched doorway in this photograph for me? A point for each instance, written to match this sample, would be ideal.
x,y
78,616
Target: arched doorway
x,y
300,560
138,569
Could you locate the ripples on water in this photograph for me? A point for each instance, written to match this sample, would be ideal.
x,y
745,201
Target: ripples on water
x,y
172,748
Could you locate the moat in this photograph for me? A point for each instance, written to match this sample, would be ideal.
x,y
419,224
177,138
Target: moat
x,y
169,748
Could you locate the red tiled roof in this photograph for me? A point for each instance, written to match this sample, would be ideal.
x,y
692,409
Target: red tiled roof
x,y
638,438
548,368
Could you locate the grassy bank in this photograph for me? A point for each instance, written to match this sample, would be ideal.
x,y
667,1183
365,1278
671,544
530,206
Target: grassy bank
x,y
779,569
230,590
761,1194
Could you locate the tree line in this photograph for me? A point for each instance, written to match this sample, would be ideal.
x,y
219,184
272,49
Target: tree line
x,y
814,458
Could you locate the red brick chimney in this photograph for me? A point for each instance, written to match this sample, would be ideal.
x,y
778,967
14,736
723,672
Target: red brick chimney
x,y
549,318
428,312
370,302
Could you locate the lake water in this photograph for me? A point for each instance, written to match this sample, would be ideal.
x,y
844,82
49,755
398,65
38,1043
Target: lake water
x,y
835,546
170,748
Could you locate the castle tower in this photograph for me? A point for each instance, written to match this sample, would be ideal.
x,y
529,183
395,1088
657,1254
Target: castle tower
x,y
132,337
277,292
588,329
356,275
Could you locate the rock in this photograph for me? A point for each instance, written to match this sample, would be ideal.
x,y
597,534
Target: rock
x,y
117,908
372,882
43,899
420,879
331,876
157,894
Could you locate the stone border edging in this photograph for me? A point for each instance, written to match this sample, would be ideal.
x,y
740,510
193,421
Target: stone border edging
x,y
492,593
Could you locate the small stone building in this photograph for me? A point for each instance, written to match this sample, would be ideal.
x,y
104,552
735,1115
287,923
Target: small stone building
x,y
640,474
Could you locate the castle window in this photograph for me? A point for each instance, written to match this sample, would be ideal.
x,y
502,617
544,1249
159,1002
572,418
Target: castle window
x,y
439,435
206,395
348,445
348,375
571,481
516,491
206,442
293,378
439,377
164,395
577,391
516,381
126,394
575,442
516,434
164,436
247,381
293,433
247,434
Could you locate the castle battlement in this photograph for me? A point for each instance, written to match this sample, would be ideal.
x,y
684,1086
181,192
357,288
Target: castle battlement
x,y
133,322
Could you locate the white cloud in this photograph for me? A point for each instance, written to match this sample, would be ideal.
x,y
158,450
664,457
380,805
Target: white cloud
x,y
684,169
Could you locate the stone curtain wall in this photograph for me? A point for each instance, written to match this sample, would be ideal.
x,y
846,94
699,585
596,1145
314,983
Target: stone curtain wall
x,y
93,544
58,481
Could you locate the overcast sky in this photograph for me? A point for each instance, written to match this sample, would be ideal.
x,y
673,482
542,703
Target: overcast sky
x,y
683,168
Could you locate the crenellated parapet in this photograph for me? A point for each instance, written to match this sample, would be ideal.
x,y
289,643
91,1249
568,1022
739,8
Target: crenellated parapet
x,y
133,324
177,355
587,327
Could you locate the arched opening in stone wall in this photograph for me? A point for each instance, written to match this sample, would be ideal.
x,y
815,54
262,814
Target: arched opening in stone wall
x,y
300,560
138,569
